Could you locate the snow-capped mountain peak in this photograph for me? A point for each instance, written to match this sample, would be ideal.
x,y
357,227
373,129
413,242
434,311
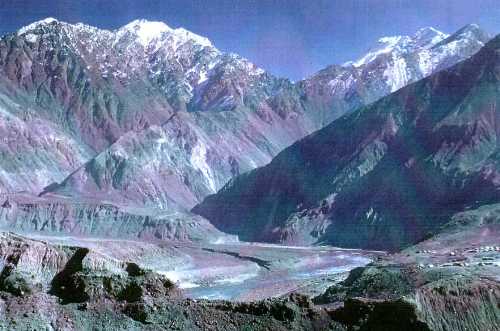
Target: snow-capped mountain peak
x,y
384,45
146,31
149,31
469,32
424,38
428,37
396,61
185,35
35,25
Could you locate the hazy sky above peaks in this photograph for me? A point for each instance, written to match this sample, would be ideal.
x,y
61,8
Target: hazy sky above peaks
x,y
289,38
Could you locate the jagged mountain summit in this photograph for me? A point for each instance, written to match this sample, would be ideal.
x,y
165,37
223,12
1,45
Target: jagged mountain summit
x,y
392,63
385,176
97,86
153,117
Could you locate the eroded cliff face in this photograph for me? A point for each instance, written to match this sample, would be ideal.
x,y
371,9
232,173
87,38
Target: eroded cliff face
x,y
58,216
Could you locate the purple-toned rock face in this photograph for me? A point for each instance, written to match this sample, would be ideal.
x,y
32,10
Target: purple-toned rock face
x,y
156,117
383,177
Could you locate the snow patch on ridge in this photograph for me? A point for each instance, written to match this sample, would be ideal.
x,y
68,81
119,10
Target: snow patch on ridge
x,y
397,75
199,162
387,44
184,35
146,31
423,39
31,37
35,25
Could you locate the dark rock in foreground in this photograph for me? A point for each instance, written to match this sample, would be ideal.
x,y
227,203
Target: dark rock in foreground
x,y
449,282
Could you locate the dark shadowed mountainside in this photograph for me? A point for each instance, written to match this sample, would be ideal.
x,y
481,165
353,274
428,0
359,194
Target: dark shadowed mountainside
x,y
383,177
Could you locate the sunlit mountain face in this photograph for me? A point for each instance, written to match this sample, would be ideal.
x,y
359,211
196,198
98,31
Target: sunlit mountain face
x,y
149,180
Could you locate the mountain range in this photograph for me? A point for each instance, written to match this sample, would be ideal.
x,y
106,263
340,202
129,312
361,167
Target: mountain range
x,y
133,161
151,120
383,177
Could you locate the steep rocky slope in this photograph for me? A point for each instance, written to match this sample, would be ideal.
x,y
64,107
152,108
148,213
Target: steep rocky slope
x,y
384,176
34,151
202,150
96,85
156,116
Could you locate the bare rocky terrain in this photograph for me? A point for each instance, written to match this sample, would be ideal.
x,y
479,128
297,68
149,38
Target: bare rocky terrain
x,y
108,139
446,282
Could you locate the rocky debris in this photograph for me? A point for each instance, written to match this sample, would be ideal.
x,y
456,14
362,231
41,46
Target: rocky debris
x,y
292,313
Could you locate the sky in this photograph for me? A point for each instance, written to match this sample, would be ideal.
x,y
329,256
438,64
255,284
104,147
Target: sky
x,y
289,38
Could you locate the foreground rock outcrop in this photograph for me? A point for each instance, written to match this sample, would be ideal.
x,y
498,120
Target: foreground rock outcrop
x,y
406,298
46,286
60,287
449,282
